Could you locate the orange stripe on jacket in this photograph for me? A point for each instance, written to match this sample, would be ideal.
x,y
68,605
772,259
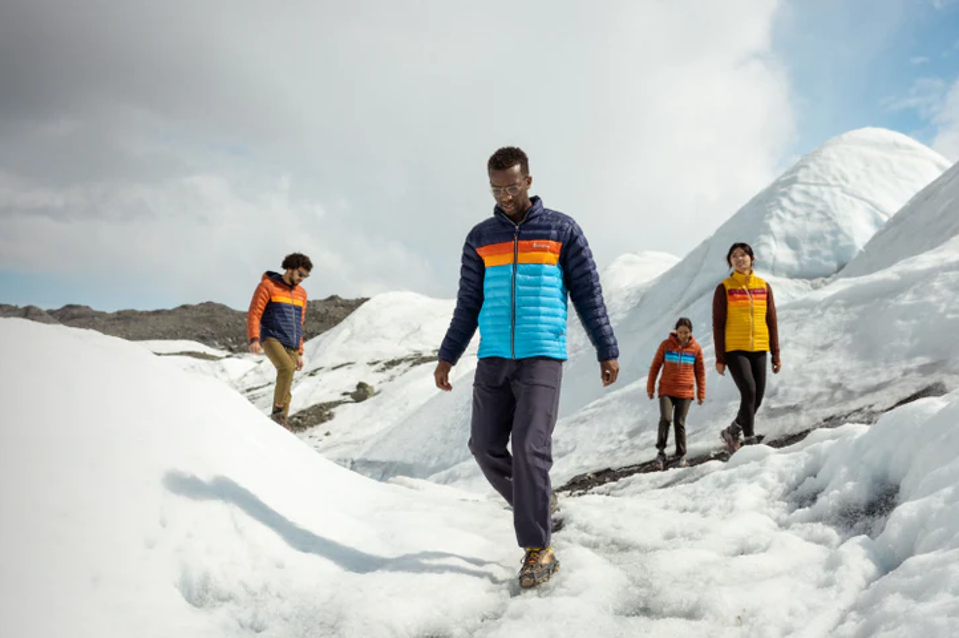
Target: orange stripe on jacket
x,y
528,251
285,298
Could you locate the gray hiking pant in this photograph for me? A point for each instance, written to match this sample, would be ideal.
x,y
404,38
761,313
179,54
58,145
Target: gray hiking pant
x,y
518,398
675,410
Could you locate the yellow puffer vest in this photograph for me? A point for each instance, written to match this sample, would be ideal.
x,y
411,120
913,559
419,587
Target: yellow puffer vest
x,y
746,313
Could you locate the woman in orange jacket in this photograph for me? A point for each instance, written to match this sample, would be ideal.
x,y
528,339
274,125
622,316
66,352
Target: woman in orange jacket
x,y
681,359
744,331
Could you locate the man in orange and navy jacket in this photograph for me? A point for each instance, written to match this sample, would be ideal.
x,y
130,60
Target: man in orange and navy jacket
x,y
274,325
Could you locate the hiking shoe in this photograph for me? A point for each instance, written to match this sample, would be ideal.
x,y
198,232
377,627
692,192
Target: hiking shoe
x,y
681,462
660,462
751,440
539,565
730,439
280,418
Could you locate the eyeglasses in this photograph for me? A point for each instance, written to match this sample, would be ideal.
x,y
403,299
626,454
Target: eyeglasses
x,y
512,191
303,275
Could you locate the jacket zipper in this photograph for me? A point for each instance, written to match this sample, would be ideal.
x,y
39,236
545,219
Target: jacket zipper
x,y
293,312
512,296
752,319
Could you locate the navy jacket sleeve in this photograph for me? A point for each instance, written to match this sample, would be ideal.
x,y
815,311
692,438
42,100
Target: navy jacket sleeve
x,y
469,301
586,293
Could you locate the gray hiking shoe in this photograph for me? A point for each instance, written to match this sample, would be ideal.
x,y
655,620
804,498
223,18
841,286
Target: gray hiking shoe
x,y
731,439
680,462
539,565
660,462
751,440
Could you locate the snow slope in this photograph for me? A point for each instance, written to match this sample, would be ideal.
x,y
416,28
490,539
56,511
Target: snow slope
x,y
140,500
926,222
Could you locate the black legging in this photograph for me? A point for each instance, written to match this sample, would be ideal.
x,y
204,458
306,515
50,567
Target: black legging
x,y
749,372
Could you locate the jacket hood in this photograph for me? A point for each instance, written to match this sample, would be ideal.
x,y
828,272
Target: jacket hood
x,y
275,276
674,341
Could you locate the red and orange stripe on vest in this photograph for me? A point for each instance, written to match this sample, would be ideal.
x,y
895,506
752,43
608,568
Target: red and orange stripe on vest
x,y
742,297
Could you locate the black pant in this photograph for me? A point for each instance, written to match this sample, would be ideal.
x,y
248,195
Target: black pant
x,y
749,372
675,410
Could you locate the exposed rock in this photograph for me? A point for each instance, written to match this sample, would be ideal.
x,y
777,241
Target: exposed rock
x,y
363,392
209,323
313,415
27,312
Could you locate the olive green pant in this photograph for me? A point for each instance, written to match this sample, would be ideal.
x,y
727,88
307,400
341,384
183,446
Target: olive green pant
x,y
284,360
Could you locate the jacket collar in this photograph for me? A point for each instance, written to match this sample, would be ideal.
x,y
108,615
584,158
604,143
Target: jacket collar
x,y
742,279
534,210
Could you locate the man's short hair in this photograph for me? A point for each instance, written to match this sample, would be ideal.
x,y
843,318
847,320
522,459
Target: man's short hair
x,y
297,260
508,157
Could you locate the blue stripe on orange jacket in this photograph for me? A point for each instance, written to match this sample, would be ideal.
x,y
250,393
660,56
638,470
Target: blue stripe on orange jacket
x,y
514,283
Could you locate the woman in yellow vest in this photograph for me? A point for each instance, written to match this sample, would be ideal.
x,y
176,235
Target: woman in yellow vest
x,y
744,330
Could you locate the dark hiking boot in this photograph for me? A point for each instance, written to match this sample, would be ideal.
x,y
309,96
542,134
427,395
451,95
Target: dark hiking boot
x,y
731,440
660,462
280,418
539,565
680,462
752,440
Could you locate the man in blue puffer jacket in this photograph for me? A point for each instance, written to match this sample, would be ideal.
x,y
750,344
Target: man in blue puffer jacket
x,y
517,269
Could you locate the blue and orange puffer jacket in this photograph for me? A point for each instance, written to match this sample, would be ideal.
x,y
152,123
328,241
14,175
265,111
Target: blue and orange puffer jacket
x,y
514,282
277,311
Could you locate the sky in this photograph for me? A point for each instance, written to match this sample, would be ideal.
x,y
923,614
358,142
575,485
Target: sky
x,y
160,154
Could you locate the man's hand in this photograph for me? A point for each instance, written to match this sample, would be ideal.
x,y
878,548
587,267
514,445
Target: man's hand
x,y
299,362
609,371
721,369
699,401
255,347
777,366
650,395
442,375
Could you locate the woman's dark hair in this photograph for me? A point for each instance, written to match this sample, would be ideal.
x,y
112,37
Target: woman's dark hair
x,y
746,249
683,321
297,260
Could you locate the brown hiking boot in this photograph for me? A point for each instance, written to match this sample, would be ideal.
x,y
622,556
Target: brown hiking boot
x,y
279,417
539,565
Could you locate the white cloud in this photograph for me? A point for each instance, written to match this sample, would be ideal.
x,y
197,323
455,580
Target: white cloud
x,y
925,96
196,238
649,123
947,137
919,59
